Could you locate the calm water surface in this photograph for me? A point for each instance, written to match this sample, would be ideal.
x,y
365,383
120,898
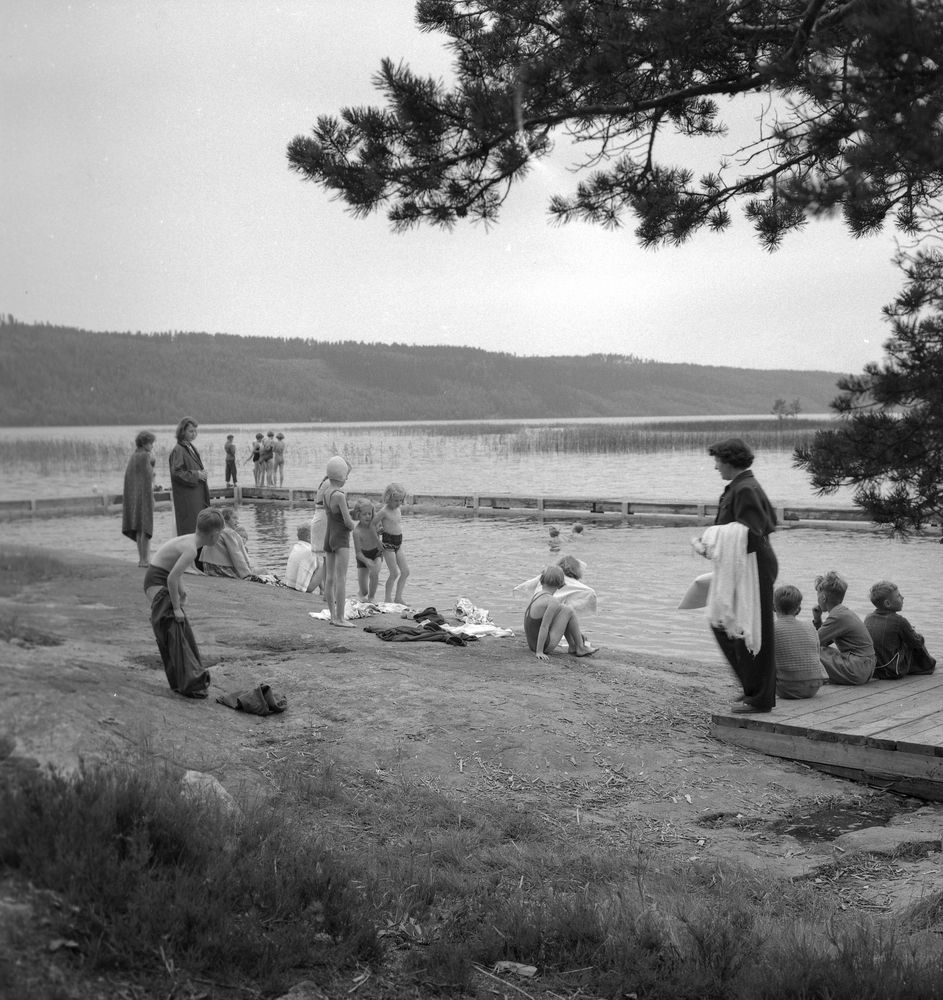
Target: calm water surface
x,y
639,571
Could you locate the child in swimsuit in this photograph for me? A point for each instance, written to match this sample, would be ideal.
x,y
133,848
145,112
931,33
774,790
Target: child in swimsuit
x,y
388,523
337,541
366,549
256,456
547,621
279,460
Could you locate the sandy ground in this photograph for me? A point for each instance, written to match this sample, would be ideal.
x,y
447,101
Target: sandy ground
x,y
617,740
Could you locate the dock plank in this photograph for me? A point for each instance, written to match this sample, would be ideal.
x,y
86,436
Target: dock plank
x,y
886,733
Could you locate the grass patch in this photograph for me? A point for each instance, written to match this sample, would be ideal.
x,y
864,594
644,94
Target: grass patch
x,y
342,870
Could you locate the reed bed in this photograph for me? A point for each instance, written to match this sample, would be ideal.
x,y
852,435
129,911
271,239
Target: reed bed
x,y
387,446
49,455
655,437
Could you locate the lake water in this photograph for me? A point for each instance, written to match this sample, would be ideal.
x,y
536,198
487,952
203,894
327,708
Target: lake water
x,y
639,571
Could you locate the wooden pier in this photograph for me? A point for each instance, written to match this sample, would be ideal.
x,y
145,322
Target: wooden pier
x,y
556,506
887,734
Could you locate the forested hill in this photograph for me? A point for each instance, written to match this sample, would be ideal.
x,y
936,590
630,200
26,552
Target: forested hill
x,y
60,376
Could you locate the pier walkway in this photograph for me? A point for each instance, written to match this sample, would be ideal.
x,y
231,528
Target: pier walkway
x,y
588,508
885,733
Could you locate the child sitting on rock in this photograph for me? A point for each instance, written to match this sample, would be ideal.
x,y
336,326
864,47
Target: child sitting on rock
x,y
547,620
302,562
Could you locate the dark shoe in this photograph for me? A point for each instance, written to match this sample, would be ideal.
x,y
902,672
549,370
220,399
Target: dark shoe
x,y
744,708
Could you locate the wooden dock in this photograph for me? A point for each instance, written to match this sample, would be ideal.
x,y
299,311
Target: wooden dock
x,y
556,506
885,733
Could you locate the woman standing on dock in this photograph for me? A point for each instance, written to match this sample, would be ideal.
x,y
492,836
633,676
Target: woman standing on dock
x,y
743,501
188,478
137,504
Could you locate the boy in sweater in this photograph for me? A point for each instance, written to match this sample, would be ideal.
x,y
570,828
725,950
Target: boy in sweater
x,y
851,659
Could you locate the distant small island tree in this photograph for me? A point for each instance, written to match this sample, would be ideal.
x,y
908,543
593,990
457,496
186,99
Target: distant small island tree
x,y
783,410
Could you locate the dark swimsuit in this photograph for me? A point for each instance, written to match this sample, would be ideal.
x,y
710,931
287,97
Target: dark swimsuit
x,y
155,576
370,554
532,625
337,535
391,542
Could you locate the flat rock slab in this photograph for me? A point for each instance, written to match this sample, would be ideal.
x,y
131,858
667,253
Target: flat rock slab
x,y
887,840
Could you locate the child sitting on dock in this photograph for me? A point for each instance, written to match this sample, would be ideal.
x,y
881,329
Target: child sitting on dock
x,y
163,585
851,659
366,550
388,524
898,649
547,620
799,671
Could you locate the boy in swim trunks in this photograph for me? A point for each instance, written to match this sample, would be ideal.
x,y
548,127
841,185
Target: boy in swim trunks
x,y
366,549
163,585
337,541
547,620
279,460
388,523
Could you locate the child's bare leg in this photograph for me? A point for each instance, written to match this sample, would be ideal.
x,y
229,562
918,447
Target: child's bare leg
x,y
403,567
363,581
577,645
389,557
341,560
374,575
558,626
328,579
317,578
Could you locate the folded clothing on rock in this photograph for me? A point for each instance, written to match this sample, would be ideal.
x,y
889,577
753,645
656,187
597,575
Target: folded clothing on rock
x,y
259,700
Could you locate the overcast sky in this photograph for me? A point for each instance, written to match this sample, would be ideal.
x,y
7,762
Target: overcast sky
x,y
145,187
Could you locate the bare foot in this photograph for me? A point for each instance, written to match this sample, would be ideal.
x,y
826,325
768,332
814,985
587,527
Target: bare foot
x,y
586,651
343,624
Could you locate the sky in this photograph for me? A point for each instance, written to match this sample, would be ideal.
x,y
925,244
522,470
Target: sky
x,y
145,187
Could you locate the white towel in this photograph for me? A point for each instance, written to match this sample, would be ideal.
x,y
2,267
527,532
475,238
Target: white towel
x,y
733,602
302,563
575,593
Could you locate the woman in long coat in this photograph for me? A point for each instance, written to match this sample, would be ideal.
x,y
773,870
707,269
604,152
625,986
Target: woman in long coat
x,y
188,484
744,501
137,509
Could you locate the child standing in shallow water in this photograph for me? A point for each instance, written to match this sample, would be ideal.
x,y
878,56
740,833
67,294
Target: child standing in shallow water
x,y
388,524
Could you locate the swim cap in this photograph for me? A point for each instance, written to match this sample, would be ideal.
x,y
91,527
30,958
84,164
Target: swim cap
x,y
337,468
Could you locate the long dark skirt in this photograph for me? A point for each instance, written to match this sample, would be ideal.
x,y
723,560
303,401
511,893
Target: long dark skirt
x,y
757,674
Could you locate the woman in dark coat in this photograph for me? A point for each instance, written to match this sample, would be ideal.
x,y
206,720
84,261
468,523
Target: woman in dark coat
x,y
187,478
744,501
137,510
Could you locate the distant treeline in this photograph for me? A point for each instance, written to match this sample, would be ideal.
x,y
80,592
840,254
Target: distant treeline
x,y
52,375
